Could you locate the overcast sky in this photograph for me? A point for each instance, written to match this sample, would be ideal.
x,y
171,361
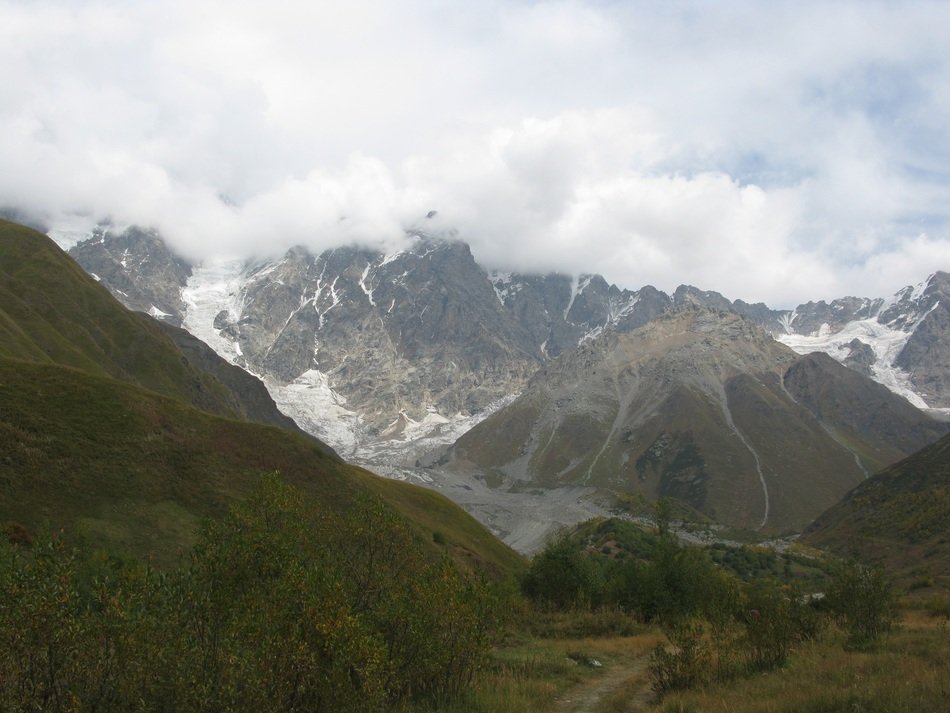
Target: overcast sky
x,y
776,151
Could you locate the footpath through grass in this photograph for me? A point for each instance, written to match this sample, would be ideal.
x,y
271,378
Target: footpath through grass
x,y
546,666
550,662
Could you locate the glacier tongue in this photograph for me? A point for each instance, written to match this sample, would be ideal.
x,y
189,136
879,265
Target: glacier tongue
x,y
213,287
318,410
886,343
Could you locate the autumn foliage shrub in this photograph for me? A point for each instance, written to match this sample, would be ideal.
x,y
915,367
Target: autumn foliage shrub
x,y
279,608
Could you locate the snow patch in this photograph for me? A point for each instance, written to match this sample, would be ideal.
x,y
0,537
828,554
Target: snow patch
x,y
617,312
787,320
918,291
389,257
432,431
504,285
575,281
368,292
592,334
885,342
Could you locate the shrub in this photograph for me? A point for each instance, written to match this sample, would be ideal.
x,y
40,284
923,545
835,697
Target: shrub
x,y
770,628
687,664
863,600
564,577
279,608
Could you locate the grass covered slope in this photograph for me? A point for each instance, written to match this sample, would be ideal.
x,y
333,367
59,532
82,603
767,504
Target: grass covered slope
x,y
899,517
111,432
56,313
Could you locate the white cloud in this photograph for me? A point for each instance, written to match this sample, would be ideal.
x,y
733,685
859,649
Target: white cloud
x,y
776,151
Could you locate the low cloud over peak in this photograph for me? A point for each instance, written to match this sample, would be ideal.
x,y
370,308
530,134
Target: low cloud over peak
x,y
777,152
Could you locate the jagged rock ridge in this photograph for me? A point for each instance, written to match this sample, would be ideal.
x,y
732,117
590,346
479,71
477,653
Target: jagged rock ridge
x,y
361,345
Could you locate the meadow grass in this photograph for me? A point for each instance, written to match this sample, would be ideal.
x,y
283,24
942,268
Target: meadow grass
x,y
535,667
907,672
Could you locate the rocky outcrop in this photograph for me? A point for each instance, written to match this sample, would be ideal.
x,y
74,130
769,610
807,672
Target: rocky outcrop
x,y
902,342
423,333
860,357
926,356
139,269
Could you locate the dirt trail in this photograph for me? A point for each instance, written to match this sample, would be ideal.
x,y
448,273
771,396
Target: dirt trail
x,y
585,697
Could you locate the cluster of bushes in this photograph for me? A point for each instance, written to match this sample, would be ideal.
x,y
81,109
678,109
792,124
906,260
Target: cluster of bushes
x,y
279,607
649,575
719,626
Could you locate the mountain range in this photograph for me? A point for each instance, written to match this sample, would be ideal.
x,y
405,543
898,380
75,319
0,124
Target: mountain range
x,y
424,359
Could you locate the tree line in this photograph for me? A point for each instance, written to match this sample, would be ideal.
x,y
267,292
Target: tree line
x,y
718,625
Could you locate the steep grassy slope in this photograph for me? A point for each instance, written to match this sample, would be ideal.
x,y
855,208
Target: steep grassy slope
x,y
110,431
52,311
859,412
900,517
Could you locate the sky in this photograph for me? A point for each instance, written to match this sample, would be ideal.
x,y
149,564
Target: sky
x,y
772,151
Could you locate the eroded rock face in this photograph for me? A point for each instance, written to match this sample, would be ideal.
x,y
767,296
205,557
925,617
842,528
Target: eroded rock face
x,y
425,331
901,342
860,357
926,356
138,268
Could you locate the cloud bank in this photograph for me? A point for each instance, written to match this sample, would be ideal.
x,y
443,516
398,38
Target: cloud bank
x,y
771,151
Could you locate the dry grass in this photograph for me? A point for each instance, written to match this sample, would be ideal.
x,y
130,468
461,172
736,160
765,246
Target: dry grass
x,y
908,673
530,672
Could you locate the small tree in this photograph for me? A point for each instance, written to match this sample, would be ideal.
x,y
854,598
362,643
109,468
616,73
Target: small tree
x,y
563,576
864,602
770,628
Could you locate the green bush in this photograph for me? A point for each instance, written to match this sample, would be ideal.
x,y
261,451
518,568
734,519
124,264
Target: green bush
x,y
563,576
770,626
864,601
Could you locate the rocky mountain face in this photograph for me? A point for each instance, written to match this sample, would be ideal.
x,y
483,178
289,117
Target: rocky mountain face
x,y
902,342
397,336
392,346
562,382
704,406
138,268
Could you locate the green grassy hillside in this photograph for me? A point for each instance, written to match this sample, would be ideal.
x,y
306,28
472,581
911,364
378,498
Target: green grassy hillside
x,y
899,517
54,312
